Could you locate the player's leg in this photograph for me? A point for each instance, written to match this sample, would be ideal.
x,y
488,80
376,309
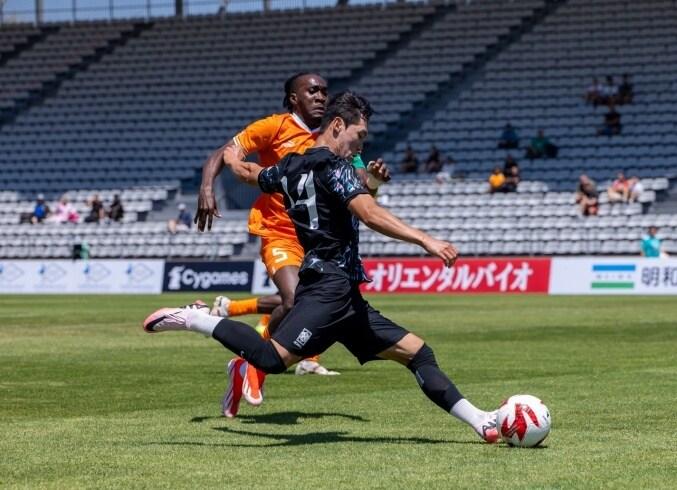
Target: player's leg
x,y
238,337
419,358
380,338
225,307
282,258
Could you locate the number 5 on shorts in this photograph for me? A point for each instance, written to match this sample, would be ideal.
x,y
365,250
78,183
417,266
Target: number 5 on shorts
x,y
280,255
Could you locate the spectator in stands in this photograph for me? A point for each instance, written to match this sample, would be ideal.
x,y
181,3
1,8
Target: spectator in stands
x,y
619,190
41,210
65,212
182,222
116,212
593,94
587,196
651,244
409,163
612,123
636,188
609,91
496,180
96,211
541,147
512,180
509,138
625,91
510,162
435,161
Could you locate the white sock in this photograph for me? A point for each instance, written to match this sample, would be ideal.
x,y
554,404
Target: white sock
x,y
203,323
469,413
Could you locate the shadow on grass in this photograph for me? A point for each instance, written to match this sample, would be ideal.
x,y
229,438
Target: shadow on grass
x,y
283,418
286,440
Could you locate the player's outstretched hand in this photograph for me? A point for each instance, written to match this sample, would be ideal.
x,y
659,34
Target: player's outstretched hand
x,y
379,169
444,250
206,209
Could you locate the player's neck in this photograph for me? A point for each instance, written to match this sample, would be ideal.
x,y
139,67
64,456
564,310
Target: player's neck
x,y
327,141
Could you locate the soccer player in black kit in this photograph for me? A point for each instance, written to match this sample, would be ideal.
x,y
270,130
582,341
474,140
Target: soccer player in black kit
x,y
325,199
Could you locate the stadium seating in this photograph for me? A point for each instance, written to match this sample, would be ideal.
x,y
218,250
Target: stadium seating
x,y
539,82
149,240
156,106
533,221
452,41
137,202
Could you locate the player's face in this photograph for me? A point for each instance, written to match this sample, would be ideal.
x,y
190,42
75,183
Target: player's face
x,y
350,140
309,99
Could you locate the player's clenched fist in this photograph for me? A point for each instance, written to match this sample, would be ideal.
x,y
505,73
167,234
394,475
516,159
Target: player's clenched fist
x,y
444,250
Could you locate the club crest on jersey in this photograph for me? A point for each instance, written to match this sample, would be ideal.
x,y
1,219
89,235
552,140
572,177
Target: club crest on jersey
x,y
303,338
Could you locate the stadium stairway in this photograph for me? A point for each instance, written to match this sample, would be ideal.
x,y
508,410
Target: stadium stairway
x,y
409,122
67,50
15,41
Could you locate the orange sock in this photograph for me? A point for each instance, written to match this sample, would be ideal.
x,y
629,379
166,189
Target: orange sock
x,y
243,307
314,359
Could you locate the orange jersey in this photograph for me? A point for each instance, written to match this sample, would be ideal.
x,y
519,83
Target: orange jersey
x,y
272,138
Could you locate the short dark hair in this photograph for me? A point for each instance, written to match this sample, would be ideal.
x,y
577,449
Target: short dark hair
x,y
289,85
349,106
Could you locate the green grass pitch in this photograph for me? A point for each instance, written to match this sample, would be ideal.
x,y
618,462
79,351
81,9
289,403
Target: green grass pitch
x,y
89,400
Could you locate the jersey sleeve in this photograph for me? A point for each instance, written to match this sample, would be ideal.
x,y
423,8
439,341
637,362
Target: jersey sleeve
x,y
270,179
343,182
258,135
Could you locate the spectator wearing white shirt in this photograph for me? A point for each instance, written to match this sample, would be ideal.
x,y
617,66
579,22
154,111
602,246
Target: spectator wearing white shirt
x,y
636,189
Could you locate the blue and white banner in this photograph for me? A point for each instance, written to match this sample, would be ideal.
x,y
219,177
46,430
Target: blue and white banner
x,y
81,277
613,275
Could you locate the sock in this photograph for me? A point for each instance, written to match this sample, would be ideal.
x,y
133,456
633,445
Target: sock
x,y
470,414
201,322
313,359
243,307
242,340
432,380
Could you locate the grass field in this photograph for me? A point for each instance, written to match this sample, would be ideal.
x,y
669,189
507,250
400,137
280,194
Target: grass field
x,y
88,400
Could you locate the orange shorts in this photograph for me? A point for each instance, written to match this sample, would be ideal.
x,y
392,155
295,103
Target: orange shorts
x,y
277,253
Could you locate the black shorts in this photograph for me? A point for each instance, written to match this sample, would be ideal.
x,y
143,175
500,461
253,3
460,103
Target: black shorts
x,y
328,308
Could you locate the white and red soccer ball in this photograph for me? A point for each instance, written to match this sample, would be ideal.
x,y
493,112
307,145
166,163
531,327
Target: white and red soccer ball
x,y
523,420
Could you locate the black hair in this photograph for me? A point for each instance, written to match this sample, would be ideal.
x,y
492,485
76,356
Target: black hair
x,y
289,88
347,105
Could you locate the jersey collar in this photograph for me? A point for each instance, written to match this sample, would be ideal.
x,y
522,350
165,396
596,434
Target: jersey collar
x,y
302,124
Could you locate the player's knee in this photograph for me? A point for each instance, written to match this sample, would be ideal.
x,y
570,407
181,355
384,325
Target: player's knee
x,y
424,357
287,303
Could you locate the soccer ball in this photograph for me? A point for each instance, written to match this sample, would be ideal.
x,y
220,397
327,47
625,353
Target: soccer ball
x,y
523,420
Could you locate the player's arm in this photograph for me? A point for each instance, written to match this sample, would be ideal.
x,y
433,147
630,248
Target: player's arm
x,y
246,172
206,203
379,219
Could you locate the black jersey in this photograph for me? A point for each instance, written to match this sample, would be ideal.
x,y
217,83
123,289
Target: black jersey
x,y
317,187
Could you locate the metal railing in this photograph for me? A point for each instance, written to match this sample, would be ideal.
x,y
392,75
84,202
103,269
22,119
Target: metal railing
x,y
24,11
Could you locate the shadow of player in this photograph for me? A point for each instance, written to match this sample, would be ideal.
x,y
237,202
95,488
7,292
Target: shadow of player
x,y
283,418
